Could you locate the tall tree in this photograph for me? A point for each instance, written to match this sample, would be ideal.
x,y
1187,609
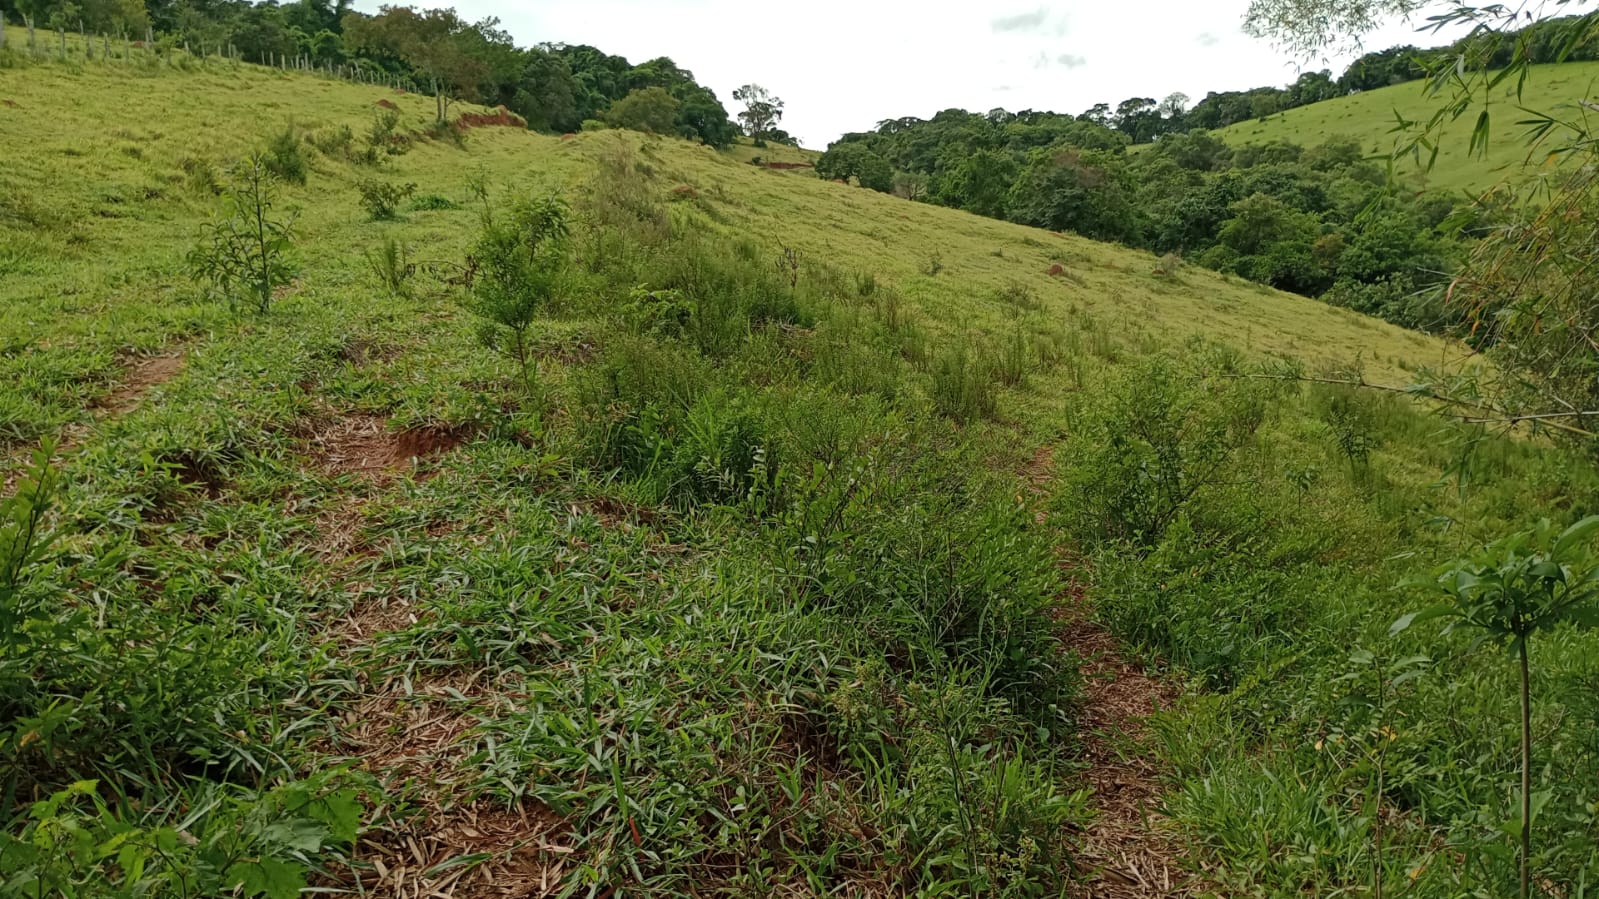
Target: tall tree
x,y
434,42
762,111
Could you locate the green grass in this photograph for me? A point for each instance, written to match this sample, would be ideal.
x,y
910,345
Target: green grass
x,y
748,596
1370,117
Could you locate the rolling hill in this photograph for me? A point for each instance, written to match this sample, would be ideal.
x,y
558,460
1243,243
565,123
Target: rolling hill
x,y
1370,117
807,542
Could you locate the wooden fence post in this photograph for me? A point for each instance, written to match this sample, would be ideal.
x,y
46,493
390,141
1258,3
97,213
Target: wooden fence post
x,y
2,31
62,34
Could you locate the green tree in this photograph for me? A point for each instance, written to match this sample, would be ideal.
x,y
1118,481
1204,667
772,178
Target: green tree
x,y
762,111
649,109
846,160
1065,190
702,117
523,254
434,42
546,93
980,182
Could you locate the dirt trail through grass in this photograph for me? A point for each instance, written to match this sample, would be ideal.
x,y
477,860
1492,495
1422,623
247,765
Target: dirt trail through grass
x,y
1125,852
407,728
142,375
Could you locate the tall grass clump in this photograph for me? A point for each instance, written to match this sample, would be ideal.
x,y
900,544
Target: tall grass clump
x,y
961,387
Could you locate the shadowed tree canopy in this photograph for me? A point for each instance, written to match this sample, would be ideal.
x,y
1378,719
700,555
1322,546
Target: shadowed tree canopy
x,y
435,42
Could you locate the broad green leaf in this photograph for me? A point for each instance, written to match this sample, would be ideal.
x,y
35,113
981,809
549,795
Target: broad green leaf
x,y
1405,621
268,877
1578,533
341,812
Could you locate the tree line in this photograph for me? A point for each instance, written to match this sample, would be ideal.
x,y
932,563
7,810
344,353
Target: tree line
x,y
1318,221
555,87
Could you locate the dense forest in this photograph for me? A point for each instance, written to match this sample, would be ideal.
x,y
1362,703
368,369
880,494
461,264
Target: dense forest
x,y
554,87
1321,221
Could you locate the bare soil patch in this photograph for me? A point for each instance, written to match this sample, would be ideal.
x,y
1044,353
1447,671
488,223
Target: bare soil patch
x,y
1128,852
362,445
526,856
142,375
501,117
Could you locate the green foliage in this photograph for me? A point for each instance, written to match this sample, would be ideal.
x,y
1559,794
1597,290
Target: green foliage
x,y
648,109
391,266
762,112
243,253
962,388
382,199
522,254
24,539
848,161
284,157
1530,582
1155,440
333,142
77,846
432,203
381,136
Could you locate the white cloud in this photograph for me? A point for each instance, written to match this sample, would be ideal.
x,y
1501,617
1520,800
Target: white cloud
x,y
1206,39
844,66
1071,61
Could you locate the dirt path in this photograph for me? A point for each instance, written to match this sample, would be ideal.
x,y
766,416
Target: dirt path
x,y
141,376
1126,851
411,730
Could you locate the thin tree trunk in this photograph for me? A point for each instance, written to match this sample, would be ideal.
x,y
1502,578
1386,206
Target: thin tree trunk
x,y
1526,772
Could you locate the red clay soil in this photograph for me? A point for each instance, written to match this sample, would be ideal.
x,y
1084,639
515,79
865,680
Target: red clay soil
x,y
784,166
1056,270
10,103
142,375
501,117
1126,853
363,445
386,103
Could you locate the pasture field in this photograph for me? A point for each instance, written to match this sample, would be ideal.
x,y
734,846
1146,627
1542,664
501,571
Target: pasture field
x,y
830,544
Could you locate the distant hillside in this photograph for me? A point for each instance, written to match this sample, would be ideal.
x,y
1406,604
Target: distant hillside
x,y
1370,117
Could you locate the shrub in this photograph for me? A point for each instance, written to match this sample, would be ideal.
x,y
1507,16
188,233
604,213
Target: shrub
x,y
648,109
334,141
1156,439
432,202
244,252
1020,295
284,158
382,199
522,255
200,176
446,131
380,133
1009,364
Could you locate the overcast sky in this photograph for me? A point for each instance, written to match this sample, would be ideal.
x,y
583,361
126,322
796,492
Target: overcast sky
x,y
844,65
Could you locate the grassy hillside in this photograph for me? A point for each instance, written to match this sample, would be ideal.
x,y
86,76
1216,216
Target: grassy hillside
x,y
790,568
1370,117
